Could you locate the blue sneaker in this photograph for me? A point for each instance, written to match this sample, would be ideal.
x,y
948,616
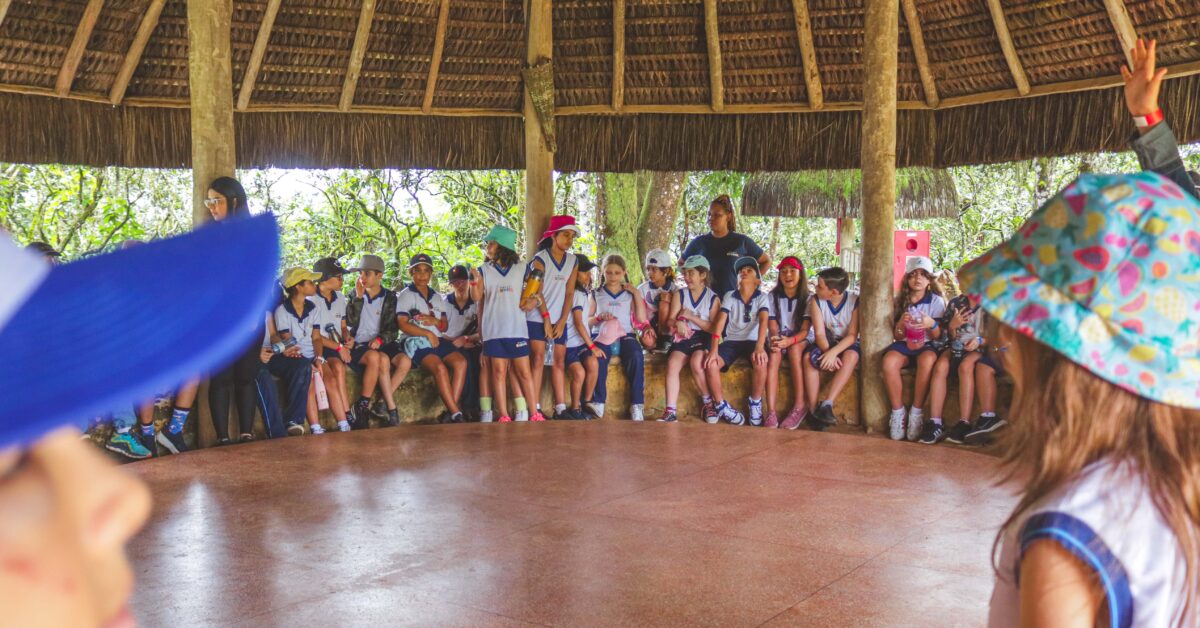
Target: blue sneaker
x,y
172,442
147,441
127,445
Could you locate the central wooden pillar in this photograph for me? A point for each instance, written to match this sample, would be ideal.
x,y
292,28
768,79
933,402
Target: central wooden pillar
x,y
539,161
879,203
210,84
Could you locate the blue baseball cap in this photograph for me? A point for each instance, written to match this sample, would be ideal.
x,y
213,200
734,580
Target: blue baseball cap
x,y
84,338
745,261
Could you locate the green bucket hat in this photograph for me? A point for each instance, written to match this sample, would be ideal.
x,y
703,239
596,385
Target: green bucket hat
x,y
1107,273
503,236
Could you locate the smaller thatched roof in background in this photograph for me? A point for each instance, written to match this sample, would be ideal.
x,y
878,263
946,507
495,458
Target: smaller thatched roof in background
x,y
920,193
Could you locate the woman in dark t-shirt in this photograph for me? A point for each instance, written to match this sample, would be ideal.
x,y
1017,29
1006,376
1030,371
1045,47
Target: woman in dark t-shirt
x,y
723,245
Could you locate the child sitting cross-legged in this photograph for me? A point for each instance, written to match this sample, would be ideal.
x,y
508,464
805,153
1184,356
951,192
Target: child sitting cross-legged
x,y
743,316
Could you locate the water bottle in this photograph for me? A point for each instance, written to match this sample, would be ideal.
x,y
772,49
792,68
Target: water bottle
x,y
322,394
280,347
956,349
532,284
914,331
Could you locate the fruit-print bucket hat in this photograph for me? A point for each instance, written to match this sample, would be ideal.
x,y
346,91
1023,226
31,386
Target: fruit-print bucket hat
x,y
1107,273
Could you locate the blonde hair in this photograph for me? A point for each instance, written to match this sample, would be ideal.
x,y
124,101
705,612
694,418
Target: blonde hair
x,y
947,282
619,260
1066,418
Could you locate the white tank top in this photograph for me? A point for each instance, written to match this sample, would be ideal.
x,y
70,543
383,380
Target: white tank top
x,y
502,316
580,302
701,307
620,305
1107,519
783,310
837,321
554,284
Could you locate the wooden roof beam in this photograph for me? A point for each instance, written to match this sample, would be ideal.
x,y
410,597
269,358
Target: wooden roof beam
x,y
66,74
365,18
1006,45
1124,27
715,80
4,4
134,56
618,84
256,55
435,63
918,44
808,54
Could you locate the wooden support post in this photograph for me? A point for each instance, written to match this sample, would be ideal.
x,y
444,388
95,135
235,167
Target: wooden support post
x,y
134,56
210,84
808,54
1006,45
618,84
539,161
1123,26
256,55
357,53
435,63
715,81
918,45
66,74
878,204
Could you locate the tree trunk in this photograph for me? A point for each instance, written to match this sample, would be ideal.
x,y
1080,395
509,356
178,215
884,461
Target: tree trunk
x,y
621,220
661,210
774,244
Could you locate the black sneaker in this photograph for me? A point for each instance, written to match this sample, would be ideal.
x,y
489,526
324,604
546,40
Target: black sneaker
x,y
958,433
931,433
824,415
457,417
147,441
565,415
246,438
221,442
360,415
295,429
393,418
379,410
173,443
814,423
984,426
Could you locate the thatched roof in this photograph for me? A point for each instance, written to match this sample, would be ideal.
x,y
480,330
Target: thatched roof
x,y
920,193
963,99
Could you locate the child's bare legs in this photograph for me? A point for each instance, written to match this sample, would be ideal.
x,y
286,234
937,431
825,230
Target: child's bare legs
x,y
938,384
401,365
384,369
893,361
337,399
499,368
558,373
712,375
774,363
522,369
795,359
699,375
457,363
849,361
925,362
578,374
966,384
537,364
812,381
441,377
313,412
592,367
675,362
758,380
985,381
370,378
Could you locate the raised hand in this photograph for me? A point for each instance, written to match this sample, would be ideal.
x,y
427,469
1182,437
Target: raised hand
x,y
1142,81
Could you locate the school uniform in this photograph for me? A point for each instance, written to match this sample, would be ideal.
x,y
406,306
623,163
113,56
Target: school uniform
x,y
741,325
702,308
577,348
330,311
620,306
370,317
1107,520
295,372
836,320
503,329
463,321
410,303
782,309
652,295
555,277
932,306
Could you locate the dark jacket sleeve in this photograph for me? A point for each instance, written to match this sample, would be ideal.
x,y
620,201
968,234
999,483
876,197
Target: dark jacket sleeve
x,y
1158,151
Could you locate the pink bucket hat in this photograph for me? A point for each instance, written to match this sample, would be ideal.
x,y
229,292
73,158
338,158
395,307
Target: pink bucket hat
x,y
1107,273
560,223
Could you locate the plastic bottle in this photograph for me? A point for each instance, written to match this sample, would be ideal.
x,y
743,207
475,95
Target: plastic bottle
x,y
914,330
322,394
533,284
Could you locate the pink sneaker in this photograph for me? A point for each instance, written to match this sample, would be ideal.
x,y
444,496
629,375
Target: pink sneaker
x,y
794,419
537,416
772,420
505,419
709,412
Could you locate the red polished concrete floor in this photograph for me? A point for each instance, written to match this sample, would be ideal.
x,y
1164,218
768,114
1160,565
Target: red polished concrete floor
x,y
565,524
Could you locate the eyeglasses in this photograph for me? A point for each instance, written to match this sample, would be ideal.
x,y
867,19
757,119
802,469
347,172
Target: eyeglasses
x,y
212,202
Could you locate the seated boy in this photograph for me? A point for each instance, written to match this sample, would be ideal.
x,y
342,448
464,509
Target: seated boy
x,y
835,348
371,321
421,315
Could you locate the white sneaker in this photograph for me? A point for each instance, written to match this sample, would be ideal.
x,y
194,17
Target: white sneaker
x,y
916,419
636,411
756,413
316,428
896,424
343,426
596,409
521,415
485,416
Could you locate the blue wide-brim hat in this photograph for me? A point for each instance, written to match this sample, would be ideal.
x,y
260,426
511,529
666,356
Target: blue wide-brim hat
x,y
85,338
1107,273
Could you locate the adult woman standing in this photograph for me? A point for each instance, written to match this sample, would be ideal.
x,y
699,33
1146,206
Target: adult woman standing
x,y
723,245
245,381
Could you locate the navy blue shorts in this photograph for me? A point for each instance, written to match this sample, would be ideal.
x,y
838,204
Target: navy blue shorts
x,y
506,348
698,342
814,353
442,351
577,354
901,347
731,350
390,349
331,356
987,361
537,331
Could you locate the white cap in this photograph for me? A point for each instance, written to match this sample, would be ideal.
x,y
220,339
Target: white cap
x,y
918,261
658,258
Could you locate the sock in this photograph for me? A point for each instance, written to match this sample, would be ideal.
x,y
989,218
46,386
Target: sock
x,y
936,421
120,426
559,408
364,401
671,409
316,428
537,407
343,424
485,404
148,430
178,418
706,398
988,415
827,403
755,402
519,403
915,409
456,416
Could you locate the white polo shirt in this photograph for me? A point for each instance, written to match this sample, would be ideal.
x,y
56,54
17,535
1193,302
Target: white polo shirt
x,y
299,324
410,302
368,322
330,312
579,304
460,318
651,293
741,320
783,311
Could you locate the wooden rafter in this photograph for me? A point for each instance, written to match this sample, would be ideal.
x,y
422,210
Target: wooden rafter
x,y
618,84
715,81
256,55
357,53
435,64
1123,26
4,4
1006,45
66,74
808,54
918,45
134,56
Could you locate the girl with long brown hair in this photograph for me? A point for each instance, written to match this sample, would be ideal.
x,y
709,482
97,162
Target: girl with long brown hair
x,y
915,318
